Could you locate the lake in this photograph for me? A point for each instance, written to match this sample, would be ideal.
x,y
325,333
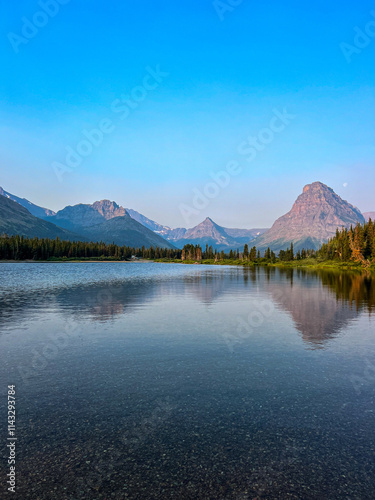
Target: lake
x,y
149,381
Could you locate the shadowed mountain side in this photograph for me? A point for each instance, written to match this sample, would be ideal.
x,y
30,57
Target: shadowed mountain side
x,y
33,209
106,221
125,231
78,217
83,215
15,219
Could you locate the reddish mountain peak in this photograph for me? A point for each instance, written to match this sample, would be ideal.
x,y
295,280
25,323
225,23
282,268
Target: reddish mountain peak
x,y
317,186
313,219
108,209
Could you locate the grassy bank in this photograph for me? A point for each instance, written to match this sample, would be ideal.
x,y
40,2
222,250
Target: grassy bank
x,y
298,264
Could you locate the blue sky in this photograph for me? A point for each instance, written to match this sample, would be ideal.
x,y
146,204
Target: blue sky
x,y
226,76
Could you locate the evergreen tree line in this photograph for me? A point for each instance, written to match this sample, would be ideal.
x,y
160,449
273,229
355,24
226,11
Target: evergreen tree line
x,y
356,244
194,252
22,248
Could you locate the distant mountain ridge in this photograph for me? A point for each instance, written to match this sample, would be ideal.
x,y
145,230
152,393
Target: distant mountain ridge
x,y
313,219
33,209
124,230
85,215
207,232
102,221
107,221
150,224
211,234
79,218
16,219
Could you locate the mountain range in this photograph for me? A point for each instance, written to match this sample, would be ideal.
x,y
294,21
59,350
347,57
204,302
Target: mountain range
x,y
107,221
16,219
102,221
207,232
313,219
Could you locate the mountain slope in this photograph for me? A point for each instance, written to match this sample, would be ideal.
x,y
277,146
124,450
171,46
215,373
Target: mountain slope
x,y
208,233
105,220
84,215
244,235
15,219
313,219
221,238
33,209
150,224
125,231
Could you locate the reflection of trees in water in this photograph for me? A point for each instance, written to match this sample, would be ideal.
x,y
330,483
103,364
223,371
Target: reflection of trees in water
x,y
355,288
321,303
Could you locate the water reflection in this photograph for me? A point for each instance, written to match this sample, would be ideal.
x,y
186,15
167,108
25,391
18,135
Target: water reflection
x,y
139,394
320,303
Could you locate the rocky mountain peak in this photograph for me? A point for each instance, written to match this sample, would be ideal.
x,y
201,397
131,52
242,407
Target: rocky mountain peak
x,y
317,186
108,209
313,219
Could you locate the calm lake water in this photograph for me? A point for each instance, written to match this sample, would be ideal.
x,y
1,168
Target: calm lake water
x,y
153,381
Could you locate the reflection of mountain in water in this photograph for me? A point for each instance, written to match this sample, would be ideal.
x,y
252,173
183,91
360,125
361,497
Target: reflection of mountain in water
x,y
322,303
104,301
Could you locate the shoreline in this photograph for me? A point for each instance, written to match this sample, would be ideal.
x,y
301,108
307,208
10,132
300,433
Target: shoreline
x,y
78,261
309,264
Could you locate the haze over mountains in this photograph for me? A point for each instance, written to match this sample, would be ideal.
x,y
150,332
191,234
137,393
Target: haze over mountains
x,y
313,219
